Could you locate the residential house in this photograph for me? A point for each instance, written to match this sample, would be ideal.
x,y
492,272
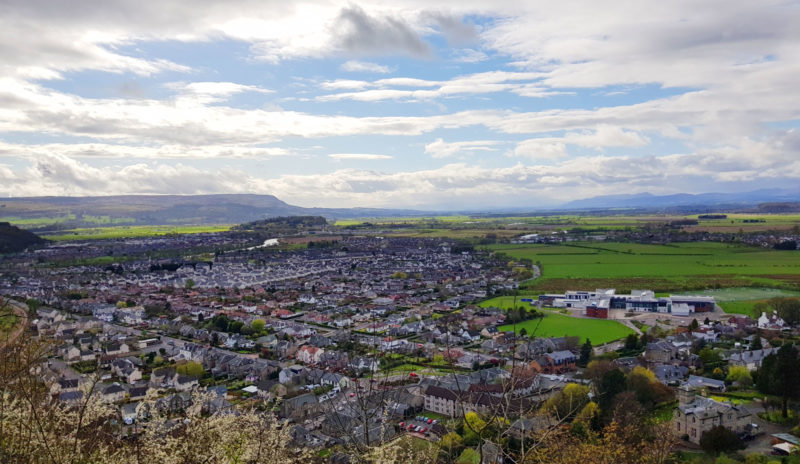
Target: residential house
x,y
300,407
750,359
113,393
702,414
771,322
185,382
660,352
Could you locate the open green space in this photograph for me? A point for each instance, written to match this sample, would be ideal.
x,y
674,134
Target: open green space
x,y
507,302
589,223
663,268
599,331
749,293
131,232
7,323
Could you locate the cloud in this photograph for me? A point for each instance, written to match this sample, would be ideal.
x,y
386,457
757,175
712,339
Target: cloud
x,y
358,156
364,66
356,31
459,185
471,84
211,92
105,150
469,55
731,87
607,136
541,149
60,175
454,29
441,149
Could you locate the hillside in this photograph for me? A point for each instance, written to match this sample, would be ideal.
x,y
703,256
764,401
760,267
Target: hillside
x,y
13,239
58,213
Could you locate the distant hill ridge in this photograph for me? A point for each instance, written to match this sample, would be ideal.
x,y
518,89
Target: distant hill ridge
x,y
172,209
648,200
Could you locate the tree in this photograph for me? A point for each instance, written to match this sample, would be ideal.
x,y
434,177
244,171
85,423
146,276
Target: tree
x,y
189,283
787,308
586,353
611,385
568,402
740,376
258,325
631,342
780,375
523,332
720,440
192,368
693,325
451,445
756,343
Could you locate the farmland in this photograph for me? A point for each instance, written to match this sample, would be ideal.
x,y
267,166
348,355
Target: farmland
x,y
743,300
662,268
131,232
733,223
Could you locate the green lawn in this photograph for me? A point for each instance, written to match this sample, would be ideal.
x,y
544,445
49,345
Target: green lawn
x,y
599,331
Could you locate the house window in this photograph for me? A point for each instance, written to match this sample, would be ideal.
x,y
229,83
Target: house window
x,y
694,419
679,426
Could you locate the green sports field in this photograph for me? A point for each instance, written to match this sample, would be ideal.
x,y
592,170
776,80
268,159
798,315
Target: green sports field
x,y
599,331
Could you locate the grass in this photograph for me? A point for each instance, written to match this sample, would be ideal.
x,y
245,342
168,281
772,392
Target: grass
x,y
507,302
96,233
469,456
744,300
663,413
599,331
663,268
736,401
7,324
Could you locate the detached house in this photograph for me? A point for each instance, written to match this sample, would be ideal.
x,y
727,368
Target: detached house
x,y
702,414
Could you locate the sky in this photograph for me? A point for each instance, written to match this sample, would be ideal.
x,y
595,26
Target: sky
x,y
399,104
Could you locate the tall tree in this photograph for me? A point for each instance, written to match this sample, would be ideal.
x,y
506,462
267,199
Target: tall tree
x,y
586,353
780,375
756,344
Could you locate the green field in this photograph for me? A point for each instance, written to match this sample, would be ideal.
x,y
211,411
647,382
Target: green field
x,y
662,268
132,232
599,331
507,302
733,223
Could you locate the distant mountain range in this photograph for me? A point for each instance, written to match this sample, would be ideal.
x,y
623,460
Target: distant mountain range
x,y
648,200
167,209
54,213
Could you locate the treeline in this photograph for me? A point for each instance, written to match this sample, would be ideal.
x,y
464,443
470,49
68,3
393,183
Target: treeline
x,y
283,225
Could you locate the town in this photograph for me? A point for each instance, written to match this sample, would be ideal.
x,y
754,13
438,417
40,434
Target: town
x,y
364,340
